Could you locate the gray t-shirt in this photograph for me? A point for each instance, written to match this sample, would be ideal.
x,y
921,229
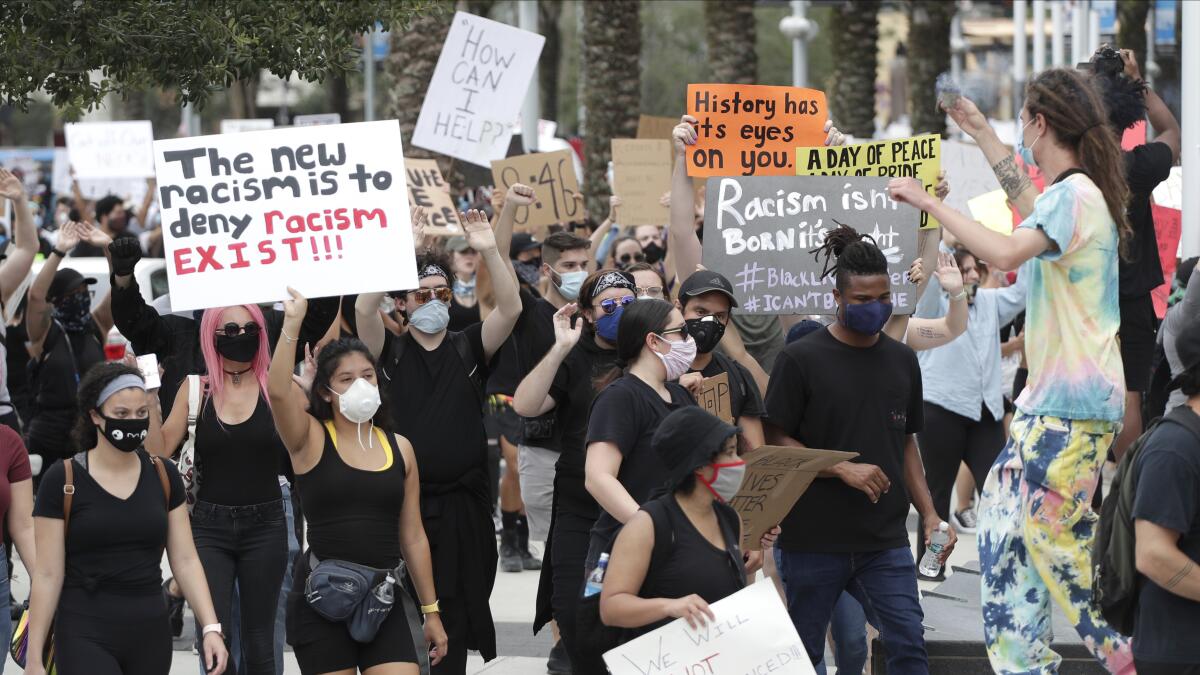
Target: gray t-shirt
x,y
1172,324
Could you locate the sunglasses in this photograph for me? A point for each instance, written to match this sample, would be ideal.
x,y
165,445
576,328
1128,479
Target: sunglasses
x,y
232,329
424,295
682,330
650,291
626,258
610,305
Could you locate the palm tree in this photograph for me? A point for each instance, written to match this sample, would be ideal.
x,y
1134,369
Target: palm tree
x,y
730,33
928,57
1131,34
611,63
855,31
408,69
548,16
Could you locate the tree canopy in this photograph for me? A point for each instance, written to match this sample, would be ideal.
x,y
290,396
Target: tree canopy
x,y
196,46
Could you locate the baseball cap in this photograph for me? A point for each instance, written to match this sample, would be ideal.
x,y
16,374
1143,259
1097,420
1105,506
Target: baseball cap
x,y
706,282
457,244
1187,344
801,329
521,242
65,281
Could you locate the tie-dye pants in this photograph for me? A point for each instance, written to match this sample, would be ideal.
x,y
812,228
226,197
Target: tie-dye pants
x,y
1035,542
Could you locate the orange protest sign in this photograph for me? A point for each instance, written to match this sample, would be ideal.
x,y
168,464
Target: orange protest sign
x,y
752,130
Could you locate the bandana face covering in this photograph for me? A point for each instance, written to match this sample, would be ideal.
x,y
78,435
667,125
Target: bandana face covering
x,y
74,311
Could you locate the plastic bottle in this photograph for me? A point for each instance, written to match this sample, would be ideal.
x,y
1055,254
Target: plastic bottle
x,y
595,580
931,563
114,345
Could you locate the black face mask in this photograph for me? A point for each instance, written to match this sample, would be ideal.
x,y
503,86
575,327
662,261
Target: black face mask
x,y
706,331
125,435
653,253
241,348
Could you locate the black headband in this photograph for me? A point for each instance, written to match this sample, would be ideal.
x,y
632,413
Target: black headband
x,y
613,280
432,270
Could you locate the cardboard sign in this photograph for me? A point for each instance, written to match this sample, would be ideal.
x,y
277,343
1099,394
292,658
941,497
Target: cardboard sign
x,y
323,210
552,177
776,477
752,634
111,149
477,89
715,398
752,130
654,127
427,189
317,120
759,231
641,174
917,157
234,126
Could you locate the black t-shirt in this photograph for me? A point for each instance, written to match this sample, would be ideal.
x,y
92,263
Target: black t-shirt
x,y
532,337
88,250
436,405
113,544
1145,167
627,413
239,464
744,398
462,316
1168,495
827,394
573,391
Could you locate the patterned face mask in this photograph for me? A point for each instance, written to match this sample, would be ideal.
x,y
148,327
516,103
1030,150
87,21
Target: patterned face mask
x,y
74,311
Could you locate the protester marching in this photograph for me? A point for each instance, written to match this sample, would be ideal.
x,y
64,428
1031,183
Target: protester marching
x,y
773,384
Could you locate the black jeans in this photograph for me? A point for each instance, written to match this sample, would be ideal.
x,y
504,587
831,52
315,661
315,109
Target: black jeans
x,y
947,440
572,533
246,544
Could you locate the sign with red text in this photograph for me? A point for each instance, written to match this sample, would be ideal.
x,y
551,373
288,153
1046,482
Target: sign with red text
x,y
752,130
110,149
752,634
321,209
477,88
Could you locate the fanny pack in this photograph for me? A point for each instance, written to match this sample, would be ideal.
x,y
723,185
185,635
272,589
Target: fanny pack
x,y
362,597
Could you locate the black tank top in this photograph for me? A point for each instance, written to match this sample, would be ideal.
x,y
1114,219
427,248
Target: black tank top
x,y
354,514
239,463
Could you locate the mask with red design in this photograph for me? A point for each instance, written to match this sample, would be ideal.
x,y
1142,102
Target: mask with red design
x,y
726,479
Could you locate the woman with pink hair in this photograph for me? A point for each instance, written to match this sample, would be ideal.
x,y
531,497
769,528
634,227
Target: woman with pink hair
x,y
238,519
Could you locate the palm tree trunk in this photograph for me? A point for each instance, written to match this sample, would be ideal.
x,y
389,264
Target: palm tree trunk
x,y
730,34
855,34
928,57
612,46
548,16
1131,34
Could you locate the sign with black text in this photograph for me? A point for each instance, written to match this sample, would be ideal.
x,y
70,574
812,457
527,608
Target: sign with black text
x,y
470,109
552,176
110,149
324,210
428,190
760,231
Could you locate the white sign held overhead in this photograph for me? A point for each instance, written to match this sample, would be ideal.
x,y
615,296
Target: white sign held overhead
x,y
477,88
111,149
752,634
322,210
237,126
317,120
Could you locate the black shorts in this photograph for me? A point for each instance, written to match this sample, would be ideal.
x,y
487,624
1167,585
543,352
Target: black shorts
x,y
1138,337
503,421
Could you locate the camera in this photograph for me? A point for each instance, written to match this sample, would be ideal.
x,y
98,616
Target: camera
x,y
1106,61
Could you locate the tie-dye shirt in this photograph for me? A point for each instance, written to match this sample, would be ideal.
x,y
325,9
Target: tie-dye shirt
x,y
1073,314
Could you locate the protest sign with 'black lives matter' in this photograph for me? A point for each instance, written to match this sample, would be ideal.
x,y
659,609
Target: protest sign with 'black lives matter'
x,y
477,88
918,157
759,231
752,130
322,209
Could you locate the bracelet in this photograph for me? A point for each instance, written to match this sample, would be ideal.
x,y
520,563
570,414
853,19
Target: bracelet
x,y
57,252
430,609
212,628
962,294
287,337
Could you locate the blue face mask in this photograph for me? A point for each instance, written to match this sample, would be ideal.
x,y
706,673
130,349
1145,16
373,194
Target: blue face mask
x,y
867,318
606,326
430,318
569,285
1026,153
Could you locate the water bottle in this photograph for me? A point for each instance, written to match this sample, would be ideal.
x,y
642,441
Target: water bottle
x,y
595,580
931,564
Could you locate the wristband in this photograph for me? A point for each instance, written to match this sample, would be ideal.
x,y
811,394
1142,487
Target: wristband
x,y
430,609
58,253
212,628
962,294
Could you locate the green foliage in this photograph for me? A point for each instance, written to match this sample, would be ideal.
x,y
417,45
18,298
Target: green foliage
x,y
197,46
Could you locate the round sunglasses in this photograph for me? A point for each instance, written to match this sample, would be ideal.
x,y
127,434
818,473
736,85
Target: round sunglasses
x,y
232,329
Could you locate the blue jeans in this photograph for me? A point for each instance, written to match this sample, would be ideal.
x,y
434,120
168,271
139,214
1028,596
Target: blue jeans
x,y
848,628
883,582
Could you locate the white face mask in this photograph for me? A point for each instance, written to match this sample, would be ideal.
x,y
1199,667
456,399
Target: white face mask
x,y
679,359
359,403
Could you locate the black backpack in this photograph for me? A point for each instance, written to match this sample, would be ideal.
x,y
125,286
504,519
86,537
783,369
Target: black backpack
x,y
1115,579
461,344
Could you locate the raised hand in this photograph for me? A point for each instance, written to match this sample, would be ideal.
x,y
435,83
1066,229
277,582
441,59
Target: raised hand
x,y
909,191
418,219
566,336
479,231
614,203
309,371
11,187
832,135
942,189
966,115
95,236
294,307
520,195
948,274
124,254
684,133
916,271
68,236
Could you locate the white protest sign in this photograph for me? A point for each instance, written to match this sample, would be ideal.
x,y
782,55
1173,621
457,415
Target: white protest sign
x,y
324,210
317,120
111,149
132,190
477,88
752,634
235,126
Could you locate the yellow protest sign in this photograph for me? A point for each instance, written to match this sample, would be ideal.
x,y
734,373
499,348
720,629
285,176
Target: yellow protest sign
x,y
917,157
992,211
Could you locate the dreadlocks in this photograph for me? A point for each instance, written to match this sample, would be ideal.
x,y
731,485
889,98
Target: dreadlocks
x,y
848,253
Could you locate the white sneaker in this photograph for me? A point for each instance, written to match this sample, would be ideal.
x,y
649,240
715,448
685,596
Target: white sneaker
x,y
965,521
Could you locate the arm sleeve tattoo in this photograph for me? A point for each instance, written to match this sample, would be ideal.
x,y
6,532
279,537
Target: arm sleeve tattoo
x,y
1012,179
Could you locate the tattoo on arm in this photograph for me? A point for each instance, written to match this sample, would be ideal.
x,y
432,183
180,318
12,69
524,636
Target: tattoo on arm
x,y
1174,581
1012,179
929,333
